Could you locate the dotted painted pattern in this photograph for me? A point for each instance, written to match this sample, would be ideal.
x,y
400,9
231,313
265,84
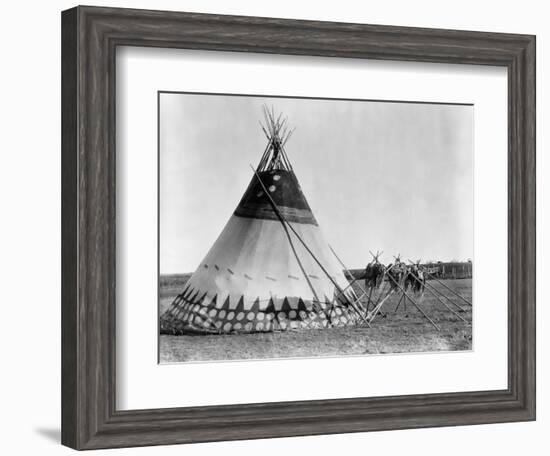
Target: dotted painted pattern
x,y
188,314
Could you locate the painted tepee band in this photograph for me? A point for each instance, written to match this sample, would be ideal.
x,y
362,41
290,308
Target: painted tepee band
x,y
271,268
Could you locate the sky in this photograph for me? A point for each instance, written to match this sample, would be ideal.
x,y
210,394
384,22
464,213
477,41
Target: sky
x,y
378,175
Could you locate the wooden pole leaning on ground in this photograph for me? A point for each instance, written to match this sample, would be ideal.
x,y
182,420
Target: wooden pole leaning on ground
x,y
360,305
357,301
398,304
382,282
414,303
374,312
446,297
354,279
451,290
349,286
381,300
435,290
286,223
439,299
374,261
329,319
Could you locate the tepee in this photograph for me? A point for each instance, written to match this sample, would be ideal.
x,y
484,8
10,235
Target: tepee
x,y
270,268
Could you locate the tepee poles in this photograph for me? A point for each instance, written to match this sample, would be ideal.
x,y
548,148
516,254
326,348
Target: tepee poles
x,y
452,291
386,270
397,284
373,261
290,242
286,223
404,295
274,157
413,302
435,290
277,133
439,299
354,280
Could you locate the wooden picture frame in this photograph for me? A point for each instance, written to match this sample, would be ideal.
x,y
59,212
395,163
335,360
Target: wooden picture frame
x,y
90,36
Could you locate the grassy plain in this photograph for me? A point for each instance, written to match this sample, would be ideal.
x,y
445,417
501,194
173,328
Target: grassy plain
x,y
401,331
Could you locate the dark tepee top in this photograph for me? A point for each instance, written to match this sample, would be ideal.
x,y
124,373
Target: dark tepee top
x,y
275,175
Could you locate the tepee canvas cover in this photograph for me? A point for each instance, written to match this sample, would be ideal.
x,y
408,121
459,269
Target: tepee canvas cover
x,y
271,268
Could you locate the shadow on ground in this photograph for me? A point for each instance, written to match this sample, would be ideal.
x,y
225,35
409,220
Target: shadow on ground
x,y
51,434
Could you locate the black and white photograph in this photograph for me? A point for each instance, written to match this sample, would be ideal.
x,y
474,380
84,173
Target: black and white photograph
x,y
300,227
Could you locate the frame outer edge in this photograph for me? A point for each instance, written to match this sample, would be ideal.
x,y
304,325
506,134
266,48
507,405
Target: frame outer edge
x,y
530,240
70,422
522,234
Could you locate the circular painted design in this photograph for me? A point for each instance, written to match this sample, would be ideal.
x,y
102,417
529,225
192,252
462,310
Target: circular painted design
x,y
230,315
260,316
272,188
237,326
312,315
344,320
219,324
198,320
270,316
282,324
292,314
303,314
203,310
240,316
293,324
248,326
250,315
276,177
259,326
222,314
281,315
227,327
213,312
339,311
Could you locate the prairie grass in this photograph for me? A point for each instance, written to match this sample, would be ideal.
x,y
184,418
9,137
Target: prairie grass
x,y
401,331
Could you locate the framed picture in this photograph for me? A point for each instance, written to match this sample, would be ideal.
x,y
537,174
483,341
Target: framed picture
x,y
279,228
